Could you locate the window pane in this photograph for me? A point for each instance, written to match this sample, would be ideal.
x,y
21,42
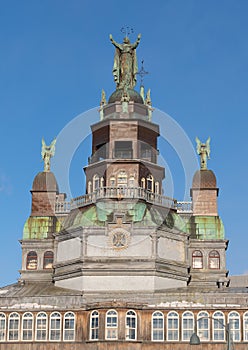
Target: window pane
x,y
111,325
94,326
172,326
69,326
2,327
130,325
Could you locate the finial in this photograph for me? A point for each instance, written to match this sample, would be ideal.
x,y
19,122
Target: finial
x,y
142,92
142,73
47,152
148,100
103,99
203,149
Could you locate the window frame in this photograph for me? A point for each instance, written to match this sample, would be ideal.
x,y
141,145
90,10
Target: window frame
x,y
201,325
69,316
131,330
157,315
197,259
213,259
112,314
27,316
218,327
188,325
49,258
32,257
150,183
172,316
94,325
3,330
245,326
41,330
55,329
14,329
235,333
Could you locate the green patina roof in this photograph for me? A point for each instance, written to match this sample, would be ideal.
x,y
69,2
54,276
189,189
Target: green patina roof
x,y
206,227
40,227
139,213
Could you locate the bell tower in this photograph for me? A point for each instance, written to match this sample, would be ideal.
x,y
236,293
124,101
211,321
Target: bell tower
x,y
123,234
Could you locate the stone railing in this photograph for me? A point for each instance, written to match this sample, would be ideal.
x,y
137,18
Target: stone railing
x,y
123,193
63,207
184,207
120,193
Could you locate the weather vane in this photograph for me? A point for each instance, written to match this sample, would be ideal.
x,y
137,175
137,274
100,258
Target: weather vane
x,y
127,30
142,73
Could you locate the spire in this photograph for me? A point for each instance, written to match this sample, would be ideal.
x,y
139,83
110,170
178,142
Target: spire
x,y
203,149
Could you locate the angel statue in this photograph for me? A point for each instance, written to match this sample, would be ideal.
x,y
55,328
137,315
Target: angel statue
x,y
203,149
47,152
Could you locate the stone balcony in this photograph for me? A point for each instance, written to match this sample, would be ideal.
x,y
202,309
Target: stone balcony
x,y
119,193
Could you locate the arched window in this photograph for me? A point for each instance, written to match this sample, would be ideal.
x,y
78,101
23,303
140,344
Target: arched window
x,y
157,326
55,326
172,326
150,181
157,187
218,326
27,326
2,326
234,325
197,259
41,327
245,325
143,182
14,325
89,187
214,260
69,326
48,260
187,325
203,325
131,325
31,261
112,181
111,325
96,182
131,181
94,325
122,179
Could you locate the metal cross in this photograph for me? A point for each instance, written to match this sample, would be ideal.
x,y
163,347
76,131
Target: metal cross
x,y
126,30
142,73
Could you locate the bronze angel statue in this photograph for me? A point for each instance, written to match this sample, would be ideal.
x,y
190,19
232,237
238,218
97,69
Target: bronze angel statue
x,y
47,152
203,149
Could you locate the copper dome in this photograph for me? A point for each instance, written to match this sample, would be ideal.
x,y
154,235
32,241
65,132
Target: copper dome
x,y
133,95
204,178
45,181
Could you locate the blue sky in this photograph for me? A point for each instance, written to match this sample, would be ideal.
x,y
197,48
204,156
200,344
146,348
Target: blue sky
x,y
55,59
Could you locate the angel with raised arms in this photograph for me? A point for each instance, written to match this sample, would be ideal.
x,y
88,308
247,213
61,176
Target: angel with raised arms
x,y
47,152
203,149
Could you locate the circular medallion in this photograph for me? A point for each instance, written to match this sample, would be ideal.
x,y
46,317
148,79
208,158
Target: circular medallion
x,y
119,238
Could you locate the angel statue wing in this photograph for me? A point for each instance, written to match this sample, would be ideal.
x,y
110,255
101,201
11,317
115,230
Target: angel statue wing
x,y
52,147
198,145
43,148
208,147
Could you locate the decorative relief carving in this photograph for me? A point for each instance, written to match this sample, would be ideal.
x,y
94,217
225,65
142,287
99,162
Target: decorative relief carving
x,y
119,239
